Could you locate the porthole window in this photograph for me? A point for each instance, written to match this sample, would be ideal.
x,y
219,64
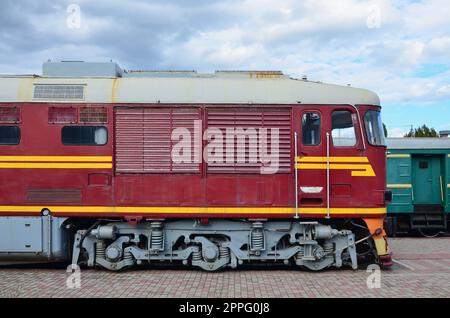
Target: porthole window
x,y
343,131
84,135
9,135
311,129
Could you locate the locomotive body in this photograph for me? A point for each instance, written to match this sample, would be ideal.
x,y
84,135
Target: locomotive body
x,y
213,170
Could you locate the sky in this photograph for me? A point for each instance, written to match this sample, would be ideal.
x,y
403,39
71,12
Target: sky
x,y
398,48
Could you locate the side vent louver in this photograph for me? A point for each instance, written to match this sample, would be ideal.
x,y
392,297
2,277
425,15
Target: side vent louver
x,y
9,115
53,195
58,92
93,115
62,115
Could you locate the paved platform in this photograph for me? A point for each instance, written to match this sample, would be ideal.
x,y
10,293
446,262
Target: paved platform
x,y
421,269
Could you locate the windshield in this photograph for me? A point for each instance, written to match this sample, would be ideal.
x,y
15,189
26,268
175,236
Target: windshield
x,y
374,128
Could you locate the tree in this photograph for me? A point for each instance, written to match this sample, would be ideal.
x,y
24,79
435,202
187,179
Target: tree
x,y
385,130
422,132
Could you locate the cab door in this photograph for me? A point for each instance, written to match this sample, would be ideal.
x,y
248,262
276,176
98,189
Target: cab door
x,y
427,180
311,153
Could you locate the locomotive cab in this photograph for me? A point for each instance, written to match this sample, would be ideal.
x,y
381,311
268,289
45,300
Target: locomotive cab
x,y
341,153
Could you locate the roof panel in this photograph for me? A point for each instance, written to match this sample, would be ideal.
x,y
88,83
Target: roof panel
x,y
104,84
418,143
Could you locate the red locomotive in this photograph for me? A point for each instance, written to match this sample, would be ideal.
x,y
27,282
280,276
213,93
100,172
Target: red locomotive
x,y
121,168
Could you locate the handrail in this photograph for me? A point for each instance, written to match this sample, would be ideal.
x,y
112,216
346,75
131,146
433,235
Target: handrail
x,y
296,174
328,175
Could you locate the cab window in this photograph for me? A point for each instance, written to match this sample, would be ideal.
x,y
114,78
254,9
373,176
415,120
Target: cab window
x,y
9,135
343,131
374,128
84,135
311,129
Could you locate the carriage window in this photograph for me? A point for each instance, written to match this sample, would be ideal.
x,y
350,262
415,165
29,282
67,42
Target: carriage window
x,y
374,128
423,165
311,129
84,135
343,131
9,135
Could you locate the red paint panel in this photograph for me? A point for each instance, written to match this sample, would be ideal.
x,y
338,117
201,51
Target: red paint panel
x,y
99,179
249,190
159,190
341,190
39,138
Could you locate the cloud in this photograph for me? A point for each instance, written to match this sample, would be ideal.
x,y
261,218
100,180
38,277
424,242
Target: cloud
x,y
397,132
326,40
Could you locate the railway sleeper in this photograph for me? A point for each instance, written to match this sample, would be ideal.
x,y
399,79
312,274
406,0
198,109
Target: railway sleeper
x,y
216,245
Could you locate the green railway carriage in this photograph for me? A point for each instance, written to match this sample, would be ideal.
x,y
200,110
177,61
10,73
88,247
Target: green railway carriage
x,y
418,174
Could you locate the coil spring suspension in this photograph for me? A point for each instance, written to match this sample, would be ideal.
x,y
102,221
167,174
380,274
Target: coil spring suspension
x,y
197,256
301,253
157,236
100,250
224,252
127,255
257,236
328,248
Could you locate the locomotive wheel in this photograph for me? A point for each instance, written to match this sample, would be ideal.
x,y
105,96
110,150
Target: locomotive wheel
x,y
430,233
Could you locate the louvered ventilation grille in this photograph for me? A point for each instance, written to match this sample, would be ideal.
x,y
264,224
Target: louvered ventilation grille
x,y
253,118
9,115
143,139
59,92
53,195
62,115
93,115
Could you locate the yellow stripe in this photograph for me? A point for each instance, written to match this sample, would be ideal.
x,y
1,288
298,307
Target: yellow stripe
x,y
448,185
399,156
56,158
400,186
332,159
358,170
30,165
190,210
338,163
342,211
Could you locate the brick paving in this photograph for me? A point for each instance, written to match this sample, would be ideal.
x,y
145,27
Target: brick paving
x,y
421,269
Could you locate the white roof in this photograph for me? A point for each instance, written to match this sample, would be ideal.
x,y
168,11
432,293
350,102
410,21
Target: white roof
x,y
250,87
